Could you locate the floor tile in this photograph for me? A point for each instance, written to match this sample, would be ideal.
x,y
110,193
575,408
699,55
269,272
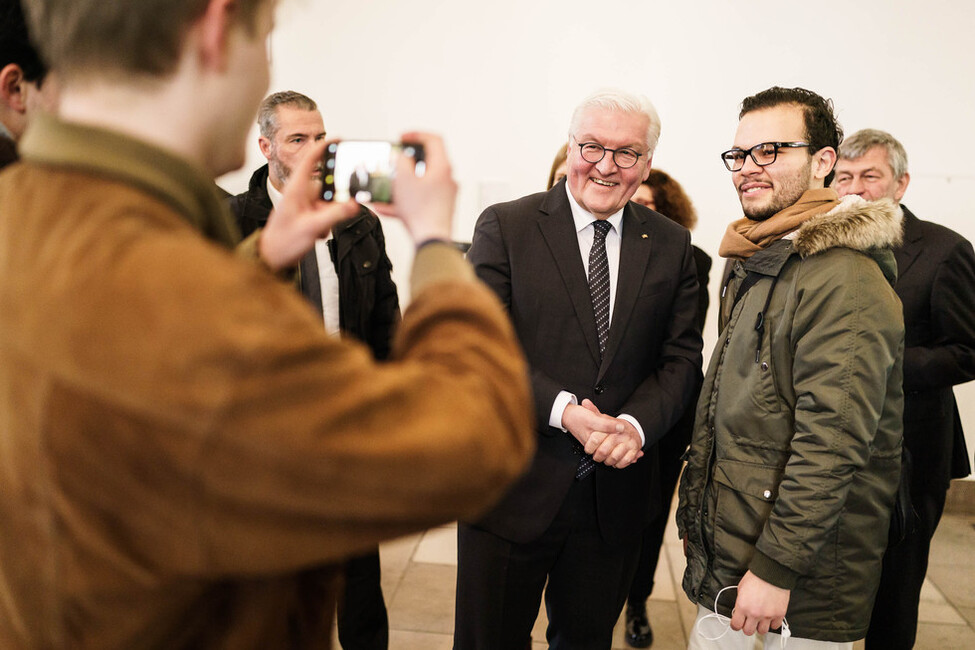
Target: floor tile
x,y
424,601
939,613
944,637
419,576
438,546
930,593
968,613
406,640
663,584
394,558
955,582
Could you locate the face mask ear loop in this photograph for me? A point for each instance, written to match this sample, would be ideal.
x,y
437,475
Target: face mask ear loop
x,y
785,633
723,620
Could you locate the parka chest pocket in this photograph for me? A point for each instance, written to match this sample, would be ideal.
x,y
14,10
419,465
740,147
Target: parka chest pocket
x,y
762,369
746,493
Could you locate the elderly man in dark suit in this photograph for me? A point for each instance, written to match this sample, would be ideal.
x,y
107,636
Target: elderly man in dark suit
x,y
936,283
603,295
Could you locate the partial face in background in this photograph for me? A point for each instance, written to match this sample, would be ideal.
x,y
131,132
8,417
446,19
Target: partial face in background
x,y
297,128
869,176
603,188
644,196
560,172
764,191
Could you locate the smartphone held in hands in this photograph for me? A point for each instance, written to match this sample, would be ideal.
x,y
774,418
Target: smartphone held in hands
x,y
363,170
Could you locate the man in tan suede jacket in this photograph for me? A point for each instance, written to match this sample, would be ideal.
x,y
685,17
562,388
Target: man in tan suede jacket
x,y
184,453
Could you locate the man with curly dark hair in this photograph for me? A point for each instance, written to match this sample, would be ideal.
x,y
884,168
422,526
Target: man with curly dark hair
x,y
795,454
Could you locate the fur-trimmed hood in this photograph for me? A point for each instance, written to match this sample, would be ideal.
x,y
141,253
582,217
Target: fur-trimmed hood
x,y
854,223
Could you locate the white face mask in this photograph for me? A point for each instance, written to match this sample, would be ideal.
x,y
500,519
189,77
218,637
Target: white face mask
x,y
723,623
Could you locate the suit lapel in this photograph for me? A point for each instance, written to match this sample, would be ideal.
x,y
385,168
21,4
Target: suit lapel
x,y
634,257
558,230
908,252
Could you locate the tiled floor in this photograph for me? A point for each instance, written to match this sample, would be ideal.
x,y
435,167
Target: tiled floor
x,y
419,574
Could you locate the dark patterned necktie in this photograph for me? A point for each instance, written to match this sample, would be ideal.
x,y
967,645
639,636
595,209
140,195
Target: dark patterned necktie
x,y
599,290
599,281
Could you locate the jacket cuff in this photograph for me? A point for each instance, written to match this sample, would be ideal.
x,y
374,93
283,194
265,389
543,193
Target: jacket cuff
x,y
772,572
438,262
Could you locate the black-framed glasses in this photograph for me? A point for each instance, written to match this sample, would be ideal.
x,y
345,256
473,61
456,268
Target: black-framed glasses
x,y
593,152
762,154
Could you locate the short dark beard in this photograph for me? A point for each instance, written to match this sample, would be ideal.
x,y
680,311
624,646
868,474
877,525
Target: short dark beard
x,y
788,195
282,172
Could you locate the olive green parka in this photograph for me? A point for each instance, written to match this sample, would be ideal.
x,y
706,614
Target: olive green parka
x,y
795,456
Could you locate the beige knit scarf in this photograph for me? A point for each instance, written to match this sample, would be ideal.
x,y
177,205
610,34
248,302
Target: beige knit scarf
x,y
746,237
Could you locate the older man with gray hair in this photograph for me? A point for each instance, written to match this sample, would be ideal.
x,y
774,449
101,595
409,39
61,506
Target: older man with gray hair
x,y
602,293
936,284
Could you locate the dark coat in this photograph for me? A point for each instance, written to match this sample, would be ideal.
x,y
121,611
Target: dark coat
x,y
528,252
368,303
702,263
936,283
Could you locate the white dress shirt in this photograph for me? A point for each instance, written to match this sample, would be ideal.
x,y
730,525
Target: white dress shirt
x,y
585,233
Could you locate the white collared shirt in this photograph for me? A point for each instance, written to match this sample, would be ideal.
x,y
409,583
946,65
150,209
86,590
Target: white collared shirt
x,y
586,233
327,276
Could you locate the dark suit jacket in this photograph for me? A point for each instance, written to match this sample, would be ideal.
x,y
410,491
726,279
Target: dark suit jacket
x,y
528,252
936,283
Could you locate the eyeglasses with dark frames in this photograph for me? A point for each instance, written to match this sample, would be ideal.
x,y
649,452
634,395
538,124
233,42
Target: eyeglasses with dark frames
x,y
763,154
593,152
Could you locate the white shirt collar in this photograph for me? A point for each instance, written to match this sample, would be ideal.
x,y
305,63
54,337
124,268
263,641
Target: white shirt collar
x,y
582,218
273,193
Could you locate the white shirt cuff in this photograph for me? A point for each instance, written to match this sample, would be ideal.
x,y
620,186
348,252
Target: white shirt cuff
x,y
563,399
636,425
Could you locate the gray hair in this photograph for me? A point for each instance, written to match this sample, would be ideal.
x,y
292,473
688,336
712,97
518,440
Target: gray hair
x,y
267,115
624,102
864,140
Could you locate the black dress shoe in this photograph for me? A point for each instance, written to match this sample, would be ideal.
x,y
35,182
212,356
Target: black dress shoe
x,y
638,632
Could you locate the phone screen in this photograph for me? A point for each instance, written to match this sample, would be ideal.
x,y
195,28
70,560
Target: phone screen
x,y
364,169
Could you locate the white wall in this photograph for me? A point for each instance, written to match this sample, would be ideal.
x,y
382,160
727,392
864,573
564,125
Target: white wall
x,y
499,80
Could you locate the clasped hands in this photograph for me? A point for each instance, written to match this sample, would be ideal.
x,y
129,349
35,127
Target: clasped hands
x,y
611,441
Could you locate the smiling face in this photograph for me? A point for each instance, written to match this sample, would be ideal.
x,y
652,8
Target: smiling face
x,y
763,191
602,188
296,129
869,176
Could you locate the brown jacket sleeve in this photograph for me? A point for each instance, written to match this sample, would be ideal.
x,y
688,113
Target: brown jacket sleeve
x,y
326,452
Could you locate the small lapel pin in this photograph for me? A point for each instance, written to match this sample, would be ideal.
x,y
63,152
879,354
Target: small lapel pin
x,y
644,235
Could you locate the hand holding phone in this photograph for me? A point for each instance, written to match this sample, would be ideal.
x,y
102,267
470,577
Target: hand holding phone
x,y
425,204
301,216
